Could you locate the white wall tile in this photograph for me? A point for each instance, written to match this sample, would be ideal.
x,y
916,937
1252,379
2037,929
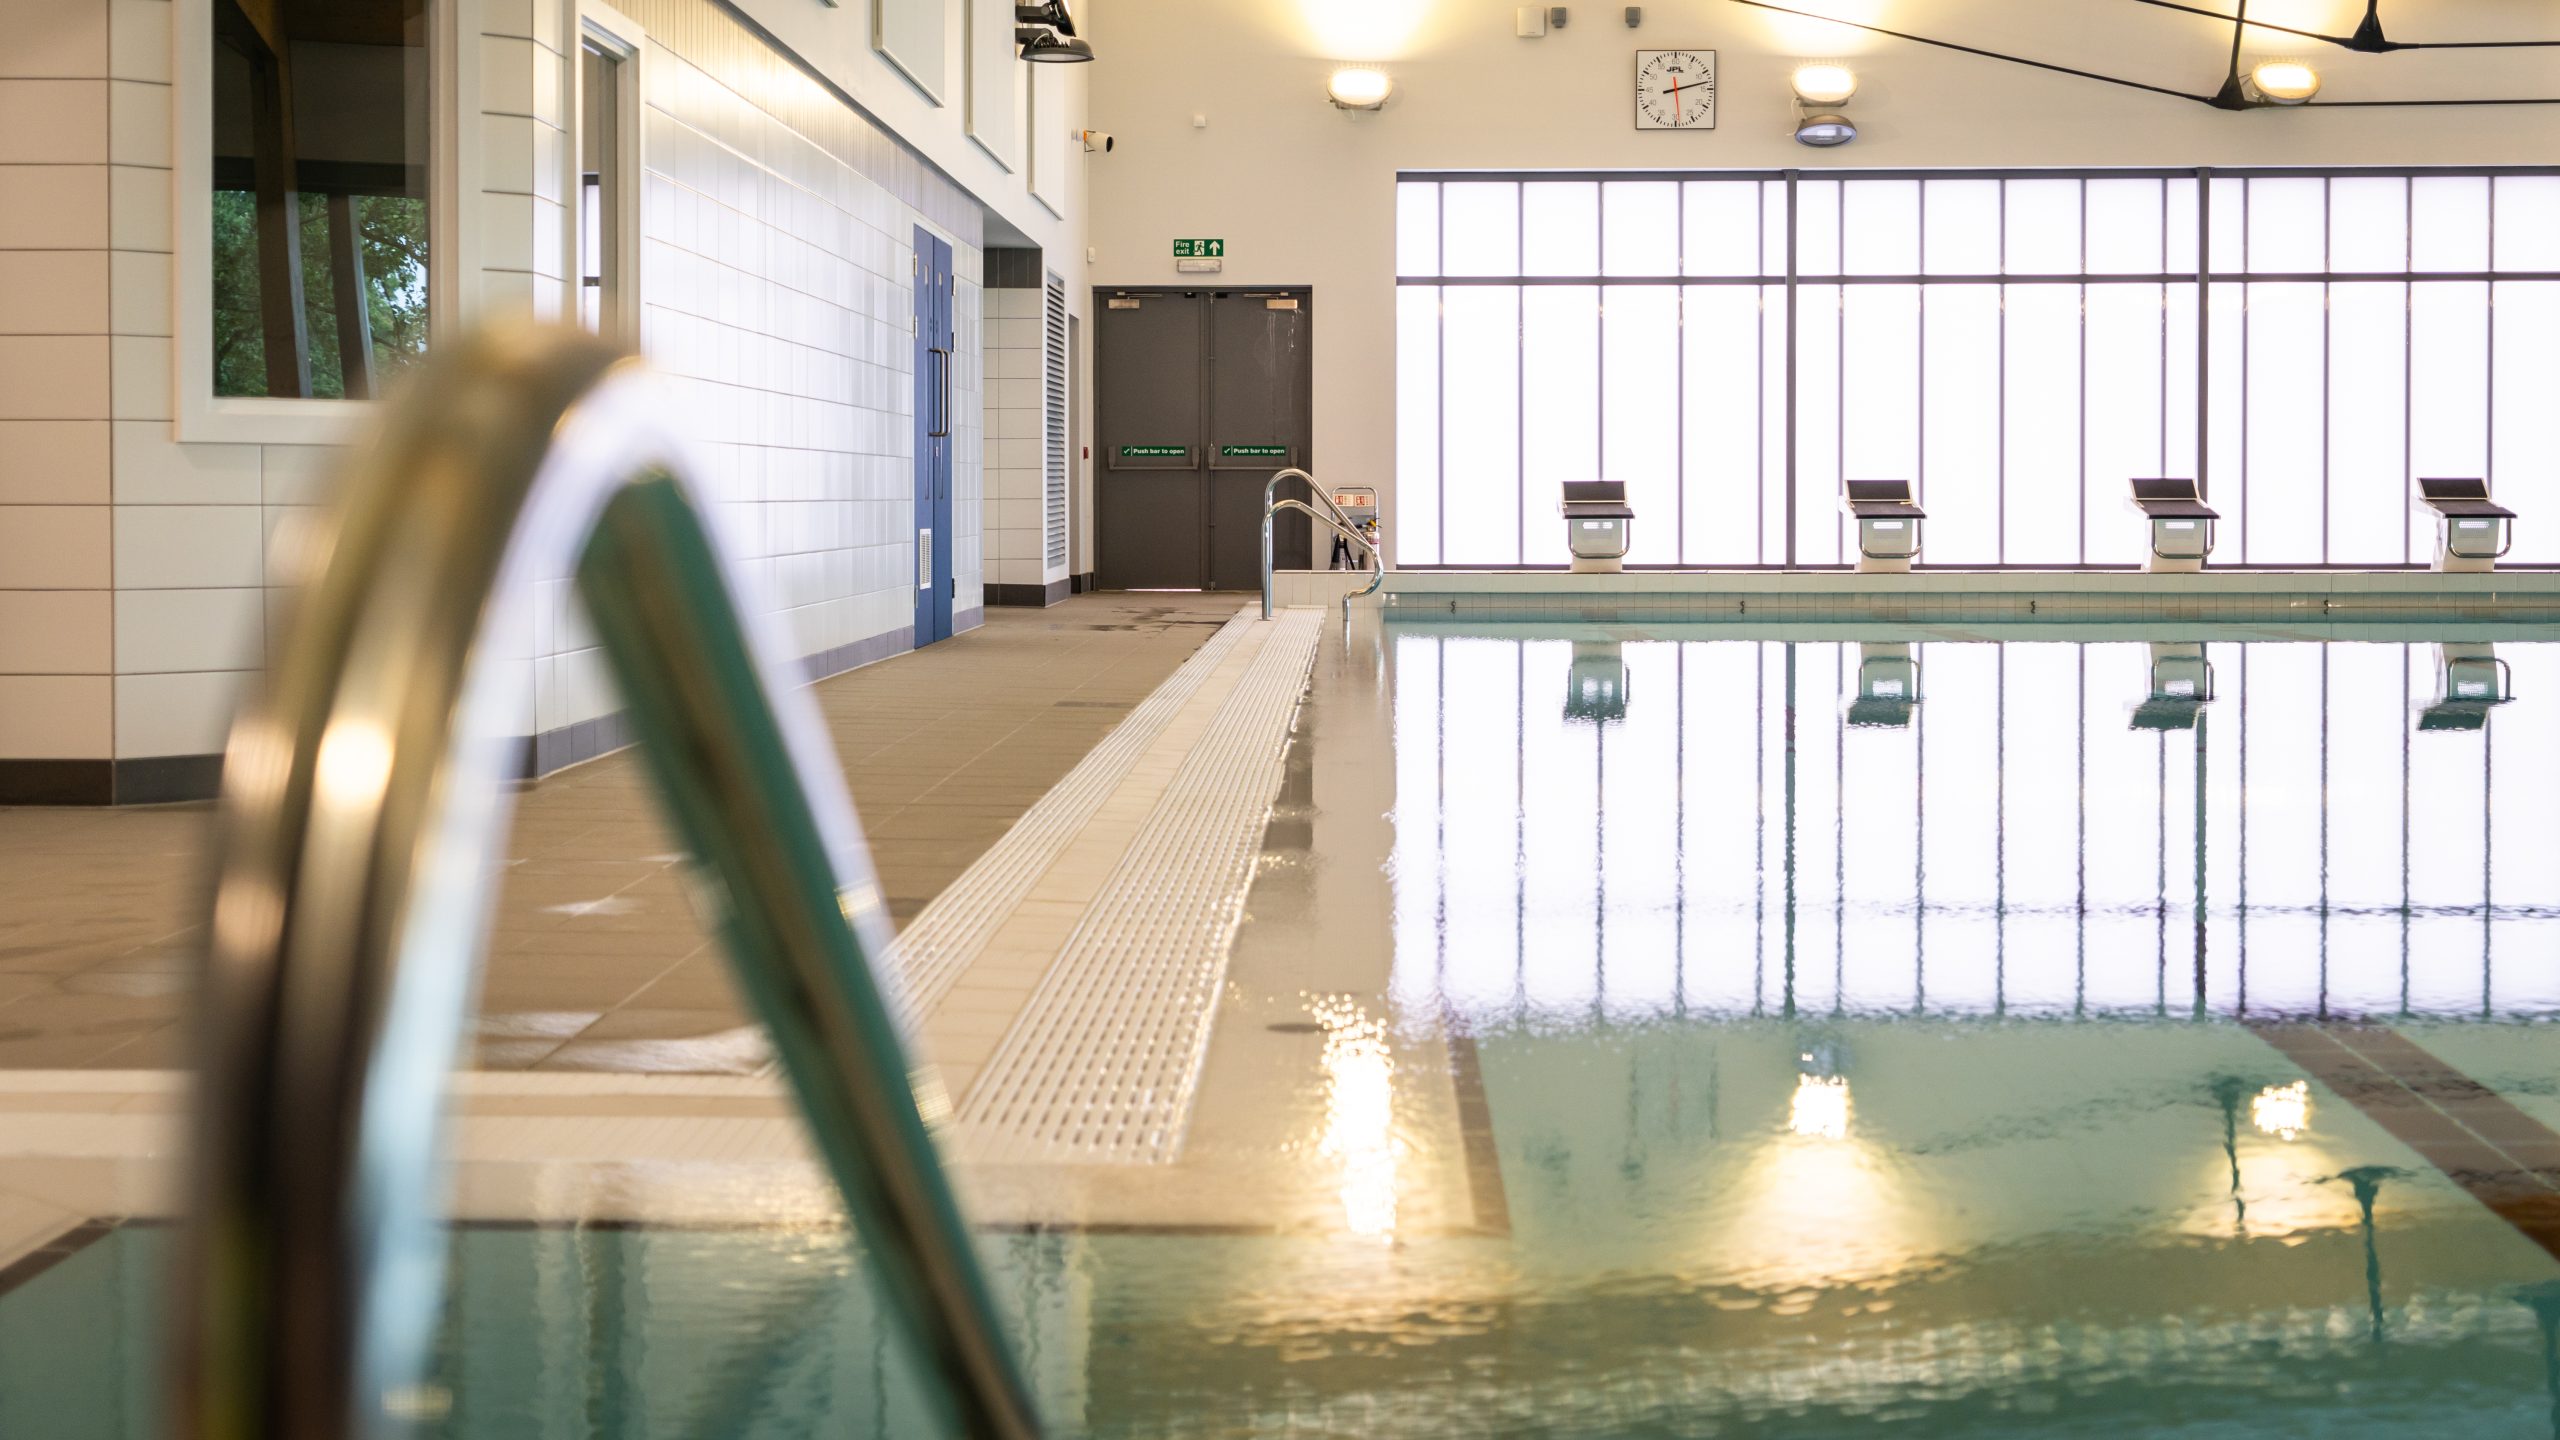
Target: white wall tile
x,y
153,468
53,462
138,214
53,377
506,75
53,547
57,717
181,547
54,122
66,38
141,380
56,632
139,293
53,207
138,123
53,292
138,40
300,474
160,631
184,714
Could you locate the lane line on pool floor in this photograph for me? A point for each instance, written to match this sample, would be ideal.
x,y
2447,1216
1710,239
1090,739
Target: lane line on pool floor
x,y
2499,1155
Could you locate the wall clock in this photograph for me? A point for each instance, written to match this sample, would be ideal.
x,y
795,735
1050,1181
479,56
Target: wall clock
x,y
1675,89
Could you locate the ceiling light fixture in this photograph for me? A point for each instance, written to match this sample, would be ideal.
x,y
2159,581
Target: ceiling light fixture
x,y
1825,83
1822,89
2283,82
1359,87
1047,34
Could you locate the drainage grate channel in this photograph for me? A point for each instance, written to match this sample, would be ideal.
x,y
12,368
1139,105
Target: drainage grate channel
x,y
1103,1063
949,932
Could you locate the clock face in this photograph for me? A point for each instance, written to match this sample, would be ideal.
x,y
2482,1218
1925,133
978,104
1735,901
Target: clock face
x,y
1675,89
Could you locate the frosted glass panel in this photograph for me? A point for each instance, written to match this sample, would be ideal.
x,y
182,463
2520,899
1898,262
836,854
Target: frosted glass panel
x,y
1640,228
1880,222
1480,406
1416,536
2124,227
2043,227
1640,413
2528,222
1961,227
2449,227
1560,433
1818,419
2287,226
2284,447
2527,438
2368,493
1721,381
1480,229
2369,223
1818,227
2229,222
1720,228
2043,429
1560,228
1417,229
2124,433
2181,200
1880,382
2449,379
1960,466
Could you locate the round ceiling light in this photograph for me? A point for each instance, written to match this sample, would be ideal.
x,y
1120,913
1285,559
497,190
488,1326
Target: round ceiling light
x,y
2285,82
1825,131
1359,87
1825,84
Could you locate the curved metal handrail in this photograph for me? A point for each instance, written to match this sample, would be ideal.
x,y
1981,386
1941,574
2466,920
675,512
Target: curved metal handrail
x,y
1336,518
364,801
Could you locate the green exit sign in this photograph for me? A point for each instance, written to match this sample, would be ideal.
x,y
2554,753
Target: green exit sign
x,y
1254,452
1199,249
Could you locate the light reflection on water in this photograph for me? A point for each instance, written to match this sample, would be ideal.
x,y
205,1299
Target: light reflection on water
x,y
1602,830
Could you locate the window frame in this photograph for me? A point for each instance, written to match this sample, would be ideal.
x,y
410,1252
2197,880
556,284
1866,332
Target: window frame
x,y
200,415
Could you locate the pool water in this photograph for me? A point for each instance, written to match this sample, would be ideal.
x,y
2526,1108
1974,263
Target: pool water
x,y
1944,1038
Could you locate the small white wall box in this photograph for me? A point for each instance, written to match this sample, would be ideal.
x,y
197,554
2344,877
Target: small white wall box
x,y
1888,686
1595,687
2470,682
1596,521
2472,530
1888,523
2181,524
2181,686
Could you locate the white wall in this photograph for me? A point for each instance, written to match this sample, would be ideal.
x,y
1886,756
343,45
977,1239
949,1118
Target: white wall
x,y
1304,194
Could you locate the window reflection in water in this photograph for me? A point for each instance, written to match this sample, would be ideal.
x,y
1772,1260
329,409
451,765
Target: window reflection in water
x,y
2075,829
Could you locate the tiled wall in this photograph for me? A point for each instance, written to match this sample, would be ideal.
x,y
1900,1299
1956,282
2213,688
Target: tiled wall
x,y
135,578
1018,572
778,302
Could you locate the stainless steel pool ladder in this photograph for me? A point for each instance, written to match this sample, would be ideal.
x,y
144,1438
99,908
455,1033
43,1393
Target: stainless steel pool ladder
x,y
1339,522
365,800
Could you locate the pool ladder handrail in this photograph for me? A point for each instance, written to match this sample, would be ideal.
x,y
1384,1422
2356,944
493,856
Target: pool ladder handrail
x,y
1338,521
365,798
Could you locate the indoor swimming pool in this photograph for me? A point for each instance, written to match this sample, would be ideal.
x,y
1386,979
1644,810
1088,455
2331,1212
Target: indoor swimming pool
x,y
1688,1030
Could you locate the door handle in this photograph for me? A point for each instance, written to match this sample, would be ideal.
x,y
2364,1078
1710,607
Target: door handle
x,y
940,421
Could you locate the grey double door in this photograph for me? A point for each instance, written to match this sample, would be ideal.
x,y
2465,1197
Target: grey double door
x,y
1200,396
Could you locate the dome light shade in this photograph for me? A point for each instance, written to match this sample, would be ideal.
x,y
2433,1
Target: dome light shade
x,y
1359,87
1825,131
2285,82
1051,48
1825,84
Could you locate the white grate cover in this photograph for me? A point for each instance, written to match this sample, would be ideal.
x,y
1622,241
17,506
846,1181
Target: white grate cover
x,y
1102,1064
951,930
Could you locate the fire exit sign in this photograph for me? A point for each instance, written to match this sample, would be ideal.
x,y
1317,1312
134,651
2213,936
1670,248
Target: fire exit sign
x,y
1199,249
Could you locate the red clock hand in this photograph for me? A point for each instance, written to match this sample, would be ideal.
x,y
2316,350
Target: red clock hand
x,y
1675,97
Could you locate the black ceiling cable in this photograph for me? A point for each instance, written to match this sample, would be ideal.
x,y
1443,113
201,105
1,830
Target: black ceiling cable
x,y
2230,96
2368,36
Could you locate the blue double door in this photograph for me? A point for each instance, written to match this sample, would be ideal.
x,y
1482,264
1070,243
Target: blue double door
x,y
935,333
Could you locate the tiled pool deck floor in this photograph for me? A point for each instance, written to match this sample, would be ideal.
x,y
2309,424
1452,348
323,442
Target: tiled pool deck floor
x,y
596,962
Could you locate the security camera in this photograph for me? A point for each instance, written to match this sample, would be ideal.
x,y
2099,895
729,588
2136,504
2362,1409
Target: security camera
x,y
1094,140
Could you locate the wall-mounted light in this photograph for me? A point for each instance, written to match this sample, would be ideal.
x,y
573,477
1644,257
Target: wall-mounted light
x,y
1822,90
1359,87
2283,82
1047,34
